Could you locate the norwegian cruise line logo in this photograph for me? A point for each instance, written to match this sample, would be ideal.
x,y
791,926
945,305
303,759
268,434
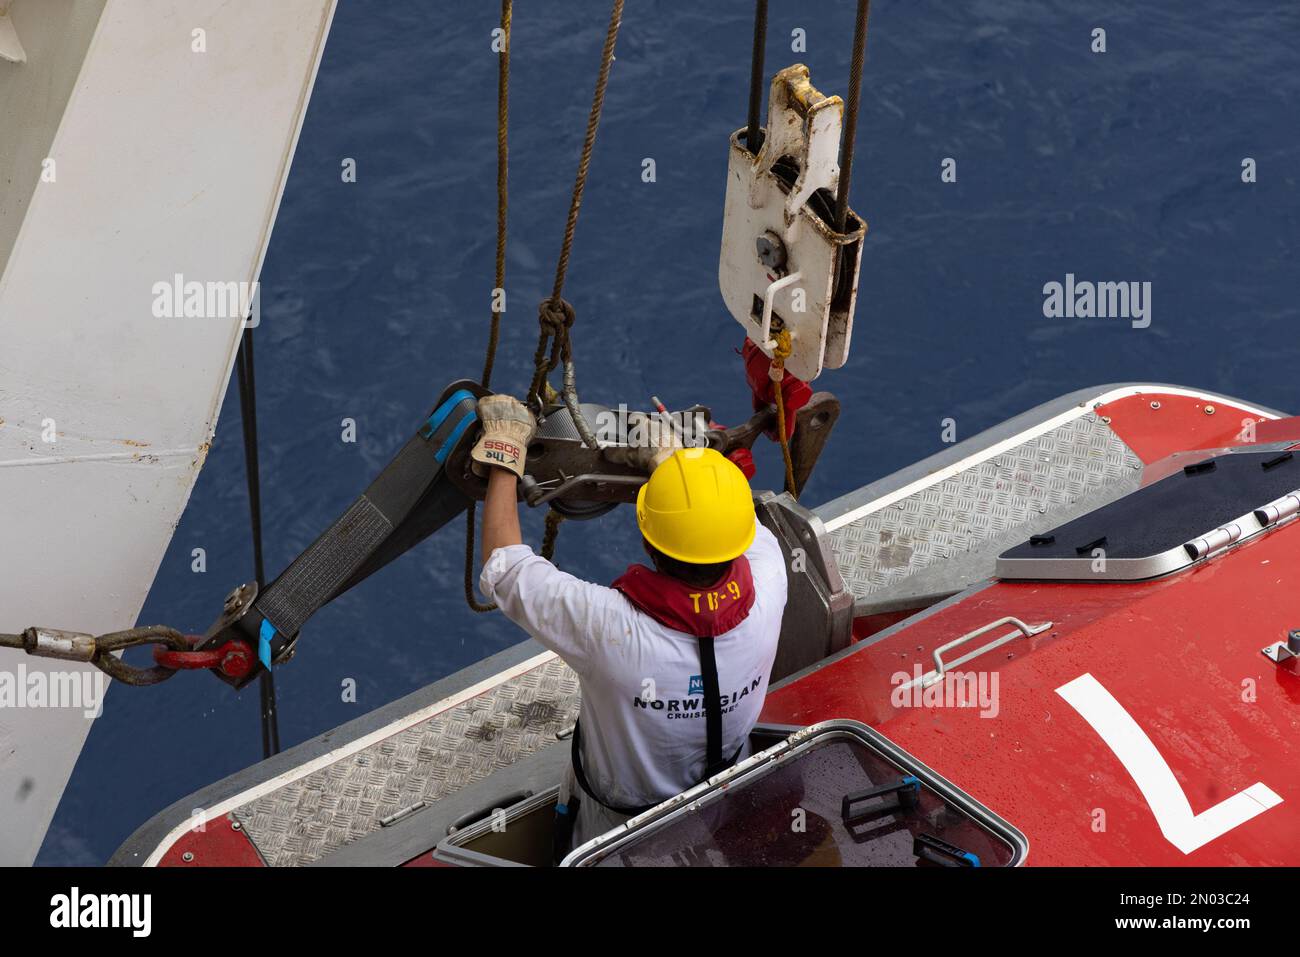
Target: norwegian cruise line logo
x,y
697,685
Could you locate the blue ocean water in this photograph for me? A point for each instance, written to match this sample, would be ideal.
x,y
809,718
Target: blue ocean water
x,y
1117,166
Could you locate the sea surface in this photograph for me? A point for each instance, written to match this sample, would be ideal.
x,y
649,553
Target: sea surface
x,y
1122,166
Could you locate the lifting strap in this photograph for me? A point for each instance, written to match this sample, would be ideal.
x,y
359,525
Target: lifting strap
x,y
409,500
713,761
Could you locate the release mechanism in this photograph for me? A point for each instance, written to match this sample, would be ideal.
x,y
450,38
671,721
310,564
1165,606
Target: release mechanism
x,y
780,248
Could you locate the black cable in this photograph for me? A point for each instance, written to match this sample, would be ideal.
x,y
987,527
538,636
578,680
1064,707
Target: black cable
x,y
851,115
248,414
753,134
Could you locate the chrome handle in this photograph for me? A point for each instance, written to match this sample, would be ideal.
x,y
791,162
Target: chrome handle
x,y
942,667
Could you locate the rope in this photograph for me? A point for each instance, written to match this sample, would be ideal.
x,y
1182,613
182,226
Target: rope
x,y
776,373
584,164
103,646
503,156
248,417
753,131
494,329
471,597
553,521
555,316
851,115
119,670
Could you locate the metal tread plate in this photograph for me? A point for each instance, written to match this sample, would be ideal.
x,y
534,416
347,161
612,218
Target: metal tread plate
x,y
947,534
342,801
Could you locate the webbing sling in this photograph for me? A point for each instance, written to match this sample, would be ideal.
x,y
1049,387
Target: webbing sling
x,y
713,761
405,503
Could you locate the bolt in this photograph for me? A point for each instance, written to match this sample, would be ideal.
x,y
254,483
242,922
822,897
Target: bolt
x,y
771,251
1209,410
236,826
1155,405
235,664
235,598
187,857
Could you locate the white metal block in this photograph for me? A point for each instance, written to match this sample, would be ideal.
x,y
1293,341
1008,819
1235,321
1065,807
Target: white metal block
x,y
783,264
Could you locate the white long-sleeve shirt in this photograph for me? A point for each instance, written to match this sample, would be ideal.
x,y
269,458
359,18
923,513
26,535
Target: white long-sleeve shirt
x,y
643,728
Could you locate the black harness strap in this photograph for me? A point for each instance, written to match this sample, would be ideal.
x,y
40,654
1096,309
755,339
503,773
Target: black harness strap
x,y
713,760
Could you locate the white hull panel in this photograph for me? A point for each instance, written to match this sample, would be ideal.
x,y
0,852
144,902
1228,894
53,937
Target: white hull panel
x,y
167,161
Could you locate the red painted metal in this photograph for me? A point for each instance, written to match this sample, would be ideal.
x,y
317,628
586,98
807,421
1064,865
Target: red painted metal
x,y
233,659
1182,655
219,844
865,626
1182,422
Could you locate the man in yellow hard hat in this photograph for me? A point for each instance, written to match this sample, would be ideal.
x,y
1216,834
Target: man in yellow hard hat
x,y
673,661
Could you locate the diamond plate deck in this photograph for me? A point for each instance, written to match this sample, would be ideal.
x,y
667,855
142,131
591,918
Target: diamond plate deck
x,y
909,547
341,802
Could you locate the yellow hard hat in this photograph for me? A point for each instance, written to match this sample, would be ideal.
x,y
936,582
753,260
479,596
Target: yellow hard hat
x,y
697,507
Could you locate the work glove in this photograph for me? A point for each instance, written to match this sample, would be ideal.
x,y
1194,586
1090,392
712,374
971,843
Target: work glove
x,y
651,440
508,426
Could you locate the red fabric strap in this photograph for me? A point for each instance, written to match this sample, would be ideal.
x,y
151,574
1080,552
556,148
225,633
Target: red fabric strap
x,y
687,608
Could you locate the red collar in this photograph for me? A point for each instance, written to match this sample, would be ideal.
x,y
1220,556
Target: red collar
x,y
696,611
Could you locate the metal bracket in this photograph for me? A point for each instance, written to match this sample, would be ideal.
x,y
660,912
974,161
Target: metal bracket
x,y
231,624
941,667
1286,654
812,429
579,481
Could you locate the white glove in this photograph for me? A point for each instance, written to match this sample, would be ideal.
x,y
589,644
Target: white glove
x,y
507,428
651,441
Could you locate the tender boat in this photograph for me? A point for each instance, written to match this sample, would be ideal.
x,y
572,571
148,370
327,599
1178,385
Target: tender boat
x,y
1107,575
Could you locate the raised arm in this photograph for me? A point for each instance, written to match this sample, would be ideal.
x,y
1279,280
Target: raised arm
x,y
500,513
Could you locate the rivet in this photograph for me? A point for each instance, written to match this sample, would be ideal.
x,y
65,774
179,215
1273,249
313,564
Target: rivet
x,y
1155,405
187,857
1209,410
